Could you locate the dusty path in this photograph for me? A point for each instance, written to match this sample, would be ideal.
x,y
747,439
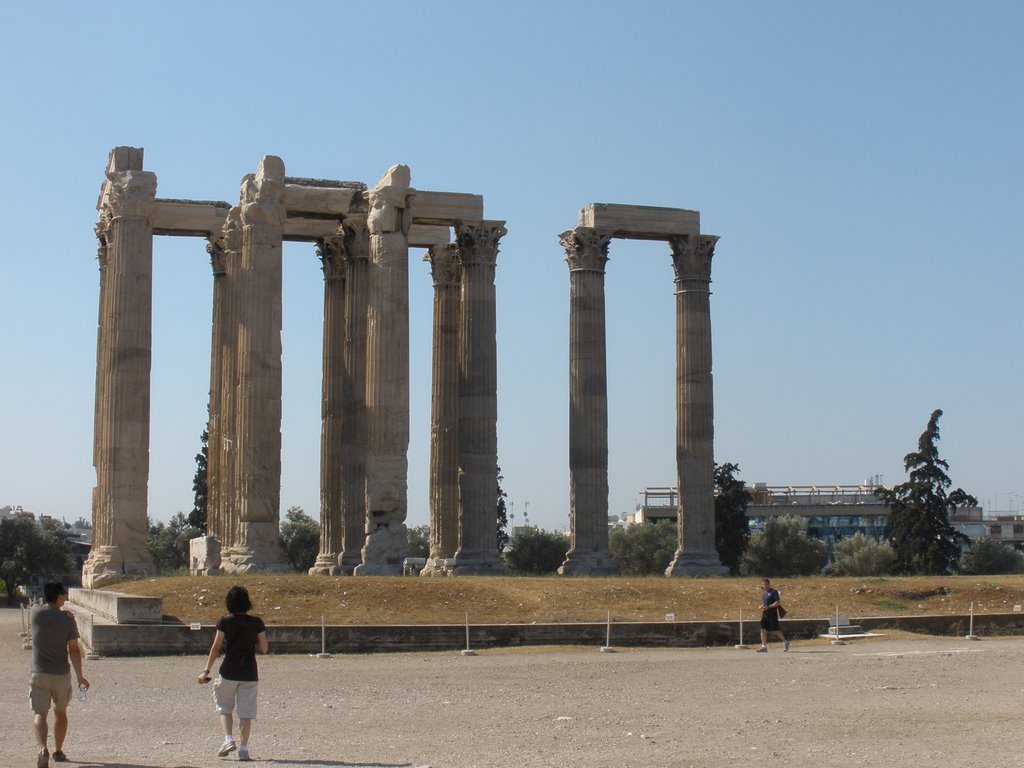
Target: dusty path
x,y
873,703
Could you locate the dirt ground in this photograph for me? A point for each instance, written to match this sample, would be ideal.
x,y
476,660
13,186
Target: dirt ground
x,y
297,599
892,702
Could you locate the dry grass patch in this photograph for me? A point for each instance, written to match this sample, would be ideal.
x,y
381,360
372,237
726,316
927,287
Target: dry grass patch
x,y
293,599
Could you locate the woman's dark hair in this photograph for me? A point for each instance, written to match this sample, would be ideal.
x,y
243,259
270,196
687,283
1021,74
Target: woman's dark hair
x,y
237,600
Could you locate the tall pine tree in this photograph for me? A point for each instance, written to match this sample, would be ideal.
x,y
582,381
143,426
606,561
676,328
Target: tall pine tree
x,y
924,541
197,517
732,528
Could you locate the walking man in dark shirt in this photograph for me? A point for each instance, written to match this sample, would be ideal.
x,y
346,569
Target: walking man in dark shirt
x,y
54,643
770,604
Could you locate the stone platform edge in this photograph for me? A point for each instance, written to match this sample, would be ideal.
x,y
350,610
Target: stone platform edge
x,y
104,638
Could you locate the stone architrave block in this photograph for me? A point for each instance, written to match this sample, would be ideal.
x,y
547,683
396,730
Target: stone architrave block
x,y
304,230
189,217
429,235
324,201
446,207
640,222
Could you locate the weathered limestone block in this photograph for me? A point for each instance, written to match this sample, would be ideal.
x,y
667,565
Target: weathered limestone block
x,y
640,222
204,556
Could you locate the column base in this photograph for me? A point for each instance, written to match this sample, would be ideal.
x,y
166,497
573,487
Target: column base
x,y
246,559
385,551
696,564
107,563
326,565
478,563
349,561
589,563
438,566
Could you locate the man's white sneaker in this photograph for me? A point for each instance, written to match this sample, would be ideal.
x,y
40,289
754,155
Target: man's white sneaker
x,y
762,649
227,748
243,754
785,645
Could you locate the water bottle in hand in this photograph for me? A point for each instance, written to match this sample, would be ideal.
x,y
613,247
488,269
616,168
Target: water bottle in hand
x,y
83,696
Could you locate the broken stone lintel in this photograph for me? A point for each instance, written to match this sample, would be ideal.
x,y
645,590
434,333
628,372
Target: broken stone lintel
x,y
323,200
640,222
445,208
429,235
189,217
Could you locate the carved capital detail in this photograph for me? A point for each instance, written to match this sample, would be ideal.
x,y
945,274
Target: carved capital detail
x,y
390,210
357,237
128,194
691,257
586,248
262,198
218,261
101,237
444,264
226,242
331,251
478,243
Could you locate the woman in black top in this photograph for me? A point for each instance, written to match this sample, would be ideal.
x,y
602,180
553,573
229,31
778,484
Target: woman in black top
x,y
241,635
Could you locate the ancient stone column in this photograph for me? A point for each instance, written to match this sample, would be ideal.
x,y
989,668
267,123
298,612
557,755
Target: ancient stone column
x,y
387,376
353,423
695,460
225,253
331,253
478,402
444,410
259,373
586,253
123,361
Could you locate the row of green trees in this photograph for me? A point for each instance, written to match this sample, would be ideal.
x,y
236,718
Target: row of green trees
x,y
30,551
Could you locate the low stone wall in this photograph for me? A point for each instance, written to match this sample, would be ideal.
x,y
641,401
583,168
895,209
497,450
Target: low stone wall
x,y
129,637
117,606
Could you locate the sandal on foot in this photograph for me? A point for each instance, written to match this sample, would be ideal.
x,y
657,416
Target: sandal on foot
x,y
59,757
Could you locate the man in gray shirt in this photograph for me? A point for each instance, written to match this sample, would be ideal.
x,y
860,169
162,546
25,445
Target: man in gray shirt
x,y
54,643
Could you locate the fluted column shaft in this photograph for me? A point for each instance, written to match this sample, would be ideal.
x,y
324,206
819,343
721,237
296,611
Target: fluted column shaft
x,y
444,410
222,454
387,376
691,260
123,362
331,252
586,251
478,401
259,359
354,437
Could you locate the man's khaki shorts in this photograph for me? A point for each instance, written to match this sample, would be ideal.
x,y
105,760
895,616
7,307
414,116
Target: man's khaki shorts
x,y
47,689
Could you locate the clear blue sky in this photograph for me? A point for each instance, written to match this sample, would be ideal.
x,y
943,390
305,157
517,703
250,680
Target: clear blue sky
x,y
862,163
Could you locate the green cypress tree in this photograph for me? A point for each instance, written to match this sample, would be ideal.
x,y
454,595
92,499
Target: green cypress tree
x,y
923,539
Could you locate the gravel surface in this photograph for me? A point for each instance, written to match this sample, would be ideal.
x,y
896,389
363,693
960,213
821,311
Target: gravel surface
x,y
892,703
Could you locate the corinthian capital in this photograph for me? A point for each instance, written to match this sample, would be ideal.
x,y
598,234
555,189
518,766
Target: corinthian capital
x,y
331,251
357,237
215,247
101,240
478,243
128,194
227,241
691,256
586,248
444,264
